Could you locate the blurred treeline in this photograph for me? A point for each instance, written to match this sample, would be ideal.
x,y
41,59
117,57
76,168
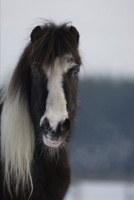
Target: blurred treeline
x,y
103,141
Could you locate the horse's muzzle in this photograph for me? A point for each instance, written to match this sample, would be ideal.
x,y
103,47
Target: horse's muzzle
x,y
54,138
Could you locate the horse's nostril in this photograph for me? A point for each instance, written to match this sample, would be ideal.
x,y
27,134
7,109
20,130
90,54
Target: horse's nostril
x,y
62,127
65,126
46,121
45,125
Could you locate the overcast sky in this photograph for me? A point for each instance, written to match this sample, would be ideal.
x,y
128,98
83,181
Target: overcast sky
x,y
106,28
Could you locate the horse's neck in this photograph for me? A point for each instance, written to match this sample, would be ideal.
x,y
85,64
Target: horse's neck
x,y
45,158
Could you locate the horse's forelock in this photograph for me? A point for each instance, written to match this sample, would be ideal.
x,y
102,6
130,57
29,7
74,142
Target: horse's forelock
x,y
55,41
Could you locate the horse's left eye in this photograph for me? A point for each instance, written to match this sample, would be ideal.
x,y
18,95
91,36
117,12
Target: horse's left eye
x,y
75,72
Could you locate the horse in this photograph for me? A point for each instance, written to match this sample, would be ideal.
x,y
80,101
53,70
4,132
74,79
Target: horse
x,y
38,110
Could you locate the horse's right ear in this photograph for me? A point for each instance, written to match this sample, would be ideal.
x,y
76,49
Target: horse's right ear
x,y
36,33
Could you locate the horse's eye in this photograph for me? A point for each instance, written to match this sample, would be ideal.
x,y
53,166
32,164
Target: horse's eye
x,y
35,68
35,72
75,72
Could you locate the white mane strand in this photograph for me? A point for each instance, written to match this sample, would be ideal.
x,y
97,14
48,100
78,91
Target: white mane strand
x,y
17,142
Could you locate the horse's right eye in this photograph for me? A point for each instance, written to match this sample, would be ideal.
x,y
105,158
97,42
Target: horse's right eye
x,y
35,68
35,71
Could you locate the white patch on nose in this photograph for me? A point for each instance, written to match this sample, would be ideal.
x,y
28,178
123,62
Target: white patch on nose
x,y
56,110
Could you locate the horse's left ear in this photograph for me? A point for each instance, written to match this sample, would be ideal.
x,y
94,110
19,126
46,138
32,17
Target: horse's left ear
x,y
75,33
36,33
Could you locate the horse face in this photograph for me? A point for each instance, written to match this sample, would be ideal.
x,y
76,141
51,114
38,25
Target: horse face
x,y
54,99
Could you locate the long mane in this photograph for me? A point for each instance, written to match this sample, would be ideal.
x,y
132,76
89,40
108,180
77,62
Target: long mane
x,y
17,133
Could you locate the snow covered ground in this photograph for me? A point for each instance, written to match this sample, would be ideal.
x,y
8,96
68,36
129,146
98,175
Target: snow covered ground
x,y
101,190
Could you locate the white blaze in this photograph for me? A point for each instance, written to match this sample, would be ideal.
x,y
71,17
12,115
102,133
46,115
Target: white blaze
x,y
56,110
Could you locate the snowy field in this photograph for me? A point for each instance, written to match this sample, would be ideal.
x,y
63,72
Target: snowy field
x,y
101,190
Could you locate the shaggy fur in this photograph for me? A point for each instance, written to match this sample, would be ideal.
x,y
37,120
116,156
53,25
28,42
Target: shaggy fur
x,y
29,169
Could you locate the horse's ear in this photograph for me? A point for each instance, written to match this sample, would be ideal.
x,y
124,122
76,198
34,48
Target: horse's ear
x,y
75,33
36,33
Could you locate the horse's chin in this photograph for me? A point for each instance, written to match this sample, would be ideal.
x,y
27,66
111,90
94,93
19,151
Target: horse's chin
x,y
51,143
